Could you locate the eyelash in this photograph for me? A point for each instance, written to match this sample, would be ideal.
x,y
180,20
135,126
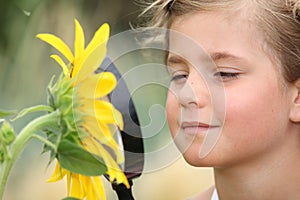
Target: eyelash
x,y
179,77
226,76
221,76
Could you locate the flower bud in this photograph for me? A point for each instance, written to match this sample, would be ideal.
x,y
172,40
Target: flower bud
x,y
7,133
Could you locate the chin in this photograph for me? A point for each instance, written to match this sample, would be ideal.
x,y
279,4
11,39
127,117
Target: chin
x,y
194,159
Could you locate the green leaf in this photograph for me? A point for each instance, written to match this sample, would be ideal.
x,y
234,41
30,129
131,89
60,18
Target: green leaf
x,y
32,109
70,198
5,113
75,159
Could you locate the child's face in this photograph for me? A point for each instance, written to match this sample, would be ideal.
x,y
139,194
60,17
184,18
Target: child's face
x,y
251,114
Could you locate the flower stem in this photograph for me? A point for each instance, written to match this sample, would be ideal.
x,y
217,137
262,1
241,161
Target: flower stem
x,y
20,142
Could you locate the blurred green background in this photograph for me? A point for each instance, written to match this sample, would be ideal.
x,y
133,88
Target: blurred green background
x,y
26,69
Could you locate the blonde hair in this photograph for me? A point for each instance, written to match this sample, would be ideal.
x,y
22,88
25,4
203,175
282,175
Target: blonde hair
x,y
277,20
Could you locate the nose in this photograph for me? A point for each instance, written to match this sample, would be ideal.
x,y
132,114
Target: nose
x,y
195,92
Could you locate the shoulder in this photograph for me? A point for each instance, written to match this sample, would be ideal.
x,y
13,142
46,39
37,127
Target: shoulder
x,y
205,195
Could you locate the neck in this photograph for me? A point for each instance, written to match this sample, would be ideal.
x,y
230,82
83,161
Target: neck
x,y
274,176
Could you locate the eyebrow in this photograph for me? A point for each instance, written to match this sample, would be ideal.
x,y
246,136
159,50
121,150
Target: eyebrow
x,y
174,59
215,56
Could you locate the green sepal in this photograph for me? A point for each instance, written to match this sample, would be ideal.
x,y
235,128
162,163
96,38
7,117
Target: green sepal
x,y
5,113
77,160
60,94
51,99
2,156
7,133
32,109
51,136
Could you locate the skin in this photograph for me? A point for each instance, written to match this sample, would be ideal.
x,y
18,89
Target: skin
x,y
256,119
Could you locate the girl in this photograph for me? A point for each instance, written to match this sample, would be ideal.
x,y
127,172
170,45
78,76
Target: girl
x,y
234,97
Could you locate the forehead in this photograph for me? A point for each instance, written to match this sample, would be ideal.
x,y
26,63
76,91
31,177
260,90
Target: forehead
x,y
215,31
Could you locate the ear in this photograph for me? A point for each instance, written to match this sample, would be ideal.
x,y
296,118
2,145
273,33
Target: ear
x,y
295,109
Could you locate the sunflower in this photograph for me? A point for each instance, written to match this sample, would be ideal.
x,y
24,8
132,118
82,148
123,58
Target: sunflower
x,y
97,119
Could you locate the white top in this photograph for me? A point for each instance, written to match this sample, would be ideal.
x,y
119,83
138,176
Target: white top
x,y
215,195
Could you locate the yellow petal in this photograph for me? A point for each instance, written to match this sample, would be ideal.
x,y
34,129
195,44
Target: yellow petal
x,y
90,63
92,146
112,175
95,147
58,173
95,129
114,171
103,134
79,40
97,86
100,132
93,192
76,187
100,37
62,64
116,174
93,54
104,112
58,44
99,188
88,188
109,161
121,178
119,119
69,181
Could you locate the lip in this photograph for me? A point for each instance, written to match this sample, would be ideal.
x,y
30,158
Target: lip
x,y
193,128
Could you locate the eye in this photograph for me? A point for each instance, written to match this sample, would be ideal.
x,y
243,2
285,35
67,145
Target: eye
x,y
226,76
179,77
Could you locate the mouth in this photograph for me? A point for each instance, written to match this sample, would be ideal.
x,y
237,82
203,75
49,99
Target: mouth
x,y
194,128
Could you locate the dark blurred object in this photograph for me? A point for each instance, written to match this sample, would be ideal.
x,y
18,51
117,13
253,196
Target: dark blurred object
x,y
131,135
123,192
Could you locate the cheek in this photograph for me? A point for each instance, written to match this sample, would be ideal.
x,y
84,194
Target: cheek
x,y
253,124
242,113
172,109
